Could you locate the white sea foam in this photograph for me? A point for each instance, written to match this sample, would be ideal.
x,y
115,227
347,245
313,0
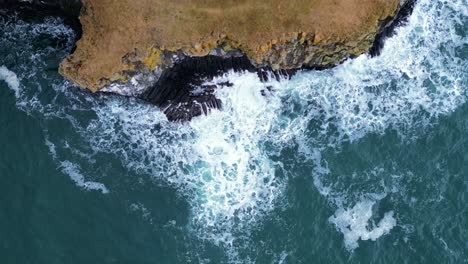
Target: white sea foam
x,y
52,148
220,163
404,88
217,161
417,78
355,223
73,170
239,179
11,79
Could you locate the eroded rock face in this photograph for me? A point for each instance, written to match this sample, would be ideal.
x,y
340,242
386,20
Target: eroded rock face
x,y
126,42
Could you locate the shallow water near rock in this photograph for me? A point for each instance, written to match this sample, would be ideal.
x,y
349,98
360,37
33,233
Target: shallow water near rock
x,y
362,163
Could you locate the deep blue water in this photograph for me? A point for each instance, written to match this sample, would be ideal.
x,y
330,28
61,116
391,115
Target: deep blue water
x,y
364,163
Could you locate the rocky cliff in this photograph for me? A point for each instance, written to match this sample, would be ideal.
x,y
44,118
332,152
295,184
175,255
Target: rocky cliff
x,y
154,49
129,40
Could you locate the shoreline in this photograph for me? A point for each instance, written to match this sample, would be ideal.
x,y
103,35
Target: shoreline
x,y
185,72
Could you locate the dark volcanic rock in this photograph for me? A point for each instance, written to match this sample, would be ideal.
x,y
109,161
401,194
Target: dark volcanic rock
x,y
180,91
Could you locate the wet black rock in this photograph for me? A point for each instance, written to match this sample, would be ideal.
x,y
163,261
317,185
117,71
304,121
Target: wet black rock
x,y
388,26
182,92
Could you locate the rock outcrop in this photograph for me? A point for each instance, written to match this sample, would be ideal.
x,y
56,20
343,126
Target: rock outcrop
x,y
155,49
128,39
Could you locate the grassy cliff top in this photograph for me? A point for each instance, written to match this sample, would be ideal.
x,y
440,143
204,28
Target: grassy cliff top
x,y
112,29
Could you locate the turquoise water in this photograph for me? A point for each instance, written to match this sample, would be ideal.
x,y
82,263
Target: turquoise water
x,y
364,163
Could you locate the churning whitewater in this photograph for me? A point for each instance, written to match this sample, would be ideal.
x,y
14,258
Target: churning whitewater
x,y
227,165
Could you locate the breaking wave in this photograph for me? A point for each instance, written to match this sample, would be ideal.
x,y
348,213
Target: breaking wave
x,y
419,76
218,162
226,164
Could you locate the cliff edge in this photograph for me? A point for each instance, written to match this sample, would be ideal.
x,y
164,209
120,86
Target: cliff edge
x,y
129,43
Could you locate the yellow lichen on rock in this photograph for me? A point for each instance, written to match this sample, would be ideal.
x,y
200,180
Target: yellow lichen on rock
x,y
152,59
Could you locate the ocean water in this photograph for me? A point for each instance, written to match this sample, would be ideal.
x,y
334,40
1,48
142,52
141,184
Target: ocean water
x,y
363,163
